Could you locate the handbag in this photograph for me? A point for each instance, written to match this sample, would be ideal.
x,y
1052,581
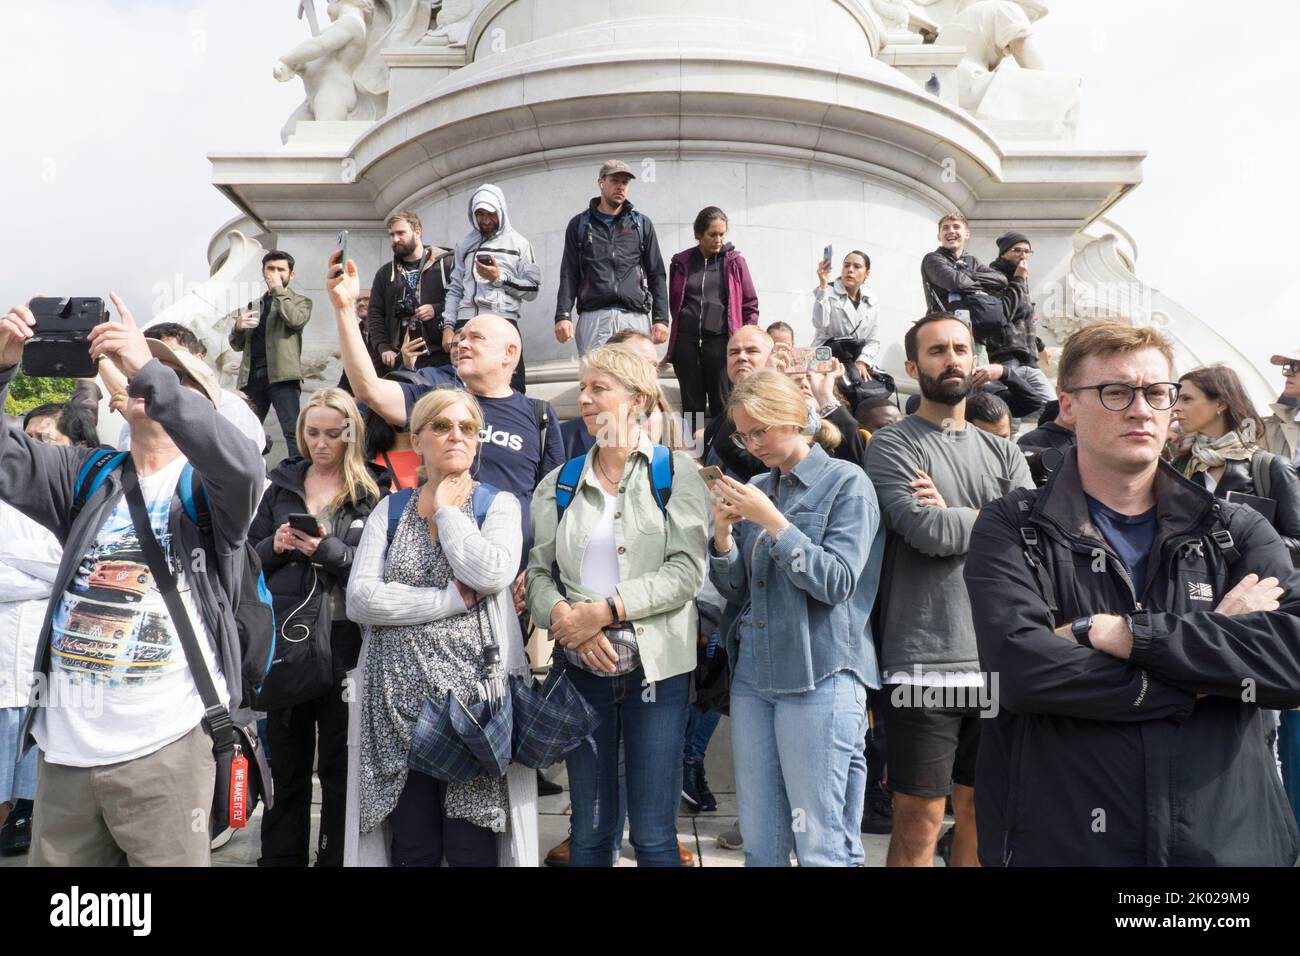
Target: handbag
x,y
622,638
242,772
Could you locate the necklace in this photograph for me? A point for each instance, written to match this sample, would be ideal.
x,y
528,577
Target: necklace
x,y
604,474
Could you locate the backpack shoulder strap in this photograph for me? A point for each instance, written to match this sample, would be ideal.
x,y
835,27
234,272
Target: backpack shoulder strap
x,y
566,483
661,475
584,225
542,416
1261,468
396,505
482,500
94,470
194,499
639,226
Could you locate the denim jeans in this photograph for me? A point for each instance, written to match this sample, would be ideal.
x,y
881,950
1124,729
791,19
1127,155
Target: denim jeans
x,y
650,719
800,770
699,731
285,396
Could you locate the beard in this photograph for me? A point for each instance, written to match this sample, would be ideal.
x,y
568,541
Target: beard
x,y
949,393
404,250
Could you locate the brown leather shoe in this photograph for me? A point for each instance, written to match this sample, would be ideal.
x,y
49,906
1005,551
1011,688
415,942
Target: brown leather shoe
x,y
559,854
688,858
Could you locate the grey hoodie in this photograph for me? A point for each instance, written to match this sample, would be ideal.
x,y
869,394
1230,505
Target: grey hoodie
x,y
470,295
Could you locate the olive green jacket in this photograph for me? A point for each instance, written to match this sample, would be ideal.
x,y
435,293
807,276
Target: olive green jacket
x,y
661,556
289,313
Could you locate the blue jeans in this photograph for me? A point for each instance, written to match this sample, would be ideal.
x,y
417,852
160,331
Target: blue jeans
x,y
800,770
699,731
17,778
650,719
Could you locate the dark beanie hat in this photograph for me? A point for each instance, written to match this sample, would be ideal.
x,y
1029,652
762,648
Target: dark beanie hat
x,y
1009,239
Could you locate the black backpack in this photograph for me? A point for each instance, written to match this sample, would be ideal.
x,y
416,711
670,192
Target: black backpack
x,y
254,616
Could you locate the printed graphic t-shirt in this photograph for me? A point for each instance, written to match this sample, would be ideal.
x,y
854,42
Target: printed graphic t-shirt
x,y
120,687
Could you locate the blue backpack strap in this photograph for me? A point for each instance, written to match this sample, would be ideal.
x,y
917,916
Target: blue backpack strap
x,y
661,475
91,475
584,224
396,505
640,229
567,483
482,499
194,499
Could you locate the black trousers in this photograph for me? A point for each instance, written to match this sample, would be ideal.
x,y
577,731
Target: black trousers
x,y
877,743
423,835
315,730
701,367
284,396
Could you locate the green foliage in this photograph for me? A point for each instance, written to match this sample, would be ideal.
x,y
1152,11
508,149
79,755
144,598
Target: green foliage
x,y
26,393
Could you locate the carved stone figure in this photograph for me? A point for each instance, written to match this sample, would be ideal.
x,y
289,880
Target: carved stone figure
x,y
1003,76
455,17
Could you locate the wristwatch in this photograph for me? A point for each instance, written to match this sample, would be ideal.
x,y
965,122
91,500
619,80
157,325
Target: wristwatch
x,y
1080,627
825,410
613,610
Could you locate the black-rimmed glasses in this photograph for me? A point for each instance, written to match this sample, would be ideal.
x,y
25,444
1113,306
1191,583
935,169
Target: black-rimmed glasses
x,y
1118,396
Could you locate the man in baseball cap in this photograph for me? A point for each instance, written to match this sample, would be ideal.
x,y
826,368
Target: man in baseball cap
x,y
612,269
1281,430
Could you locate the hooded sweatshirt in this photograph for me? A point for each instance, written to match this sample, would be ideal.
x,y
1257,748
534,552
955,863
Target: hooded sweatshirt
x,y
469,294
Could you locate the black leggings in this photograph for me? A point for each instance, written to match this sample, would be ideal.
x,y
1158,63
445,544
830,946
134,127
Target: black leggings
x,y
700,373
422,835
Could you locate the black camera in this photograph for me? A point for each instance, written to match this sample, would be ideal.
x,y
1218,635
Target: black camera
x,y
59,346
1042,463
855,388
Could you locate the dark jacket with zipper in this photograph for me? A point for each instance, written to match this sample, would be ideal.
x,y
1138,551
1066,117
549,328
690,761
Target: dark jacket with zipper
x,y
1159,760
383,327
1016,340
301,587
1284,490
611,270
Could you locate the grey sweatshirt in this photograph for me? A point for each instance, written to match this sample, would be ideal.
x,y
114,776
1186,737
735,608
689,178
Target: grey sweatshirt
x,y
925,613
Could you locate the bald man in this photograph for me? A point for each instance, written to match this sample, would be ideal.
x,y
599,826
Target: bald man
x,y
520,441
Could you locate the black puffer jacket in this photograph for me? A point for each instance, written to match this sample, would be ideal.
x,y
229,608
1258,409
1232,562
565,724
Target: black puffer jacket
x,y
292,577
1159,760
1016,340
1284,490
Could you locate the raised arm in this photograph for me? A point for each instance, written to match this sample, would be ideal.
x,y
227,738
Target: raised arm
x,y
383,396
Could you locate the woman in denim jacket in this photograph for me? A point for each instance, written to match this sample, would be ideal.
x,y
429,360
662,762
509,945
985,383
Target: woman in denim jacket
x,y
797,551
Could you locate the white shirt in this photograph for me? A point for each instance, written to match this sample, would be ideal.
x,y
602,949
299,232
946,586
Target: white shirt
x,y
600,560
120,687
29,565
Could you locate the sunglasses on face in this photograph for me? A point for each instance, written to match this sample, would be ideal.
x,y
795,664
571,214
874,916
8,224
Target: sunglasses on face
x,y
443,426
1290,368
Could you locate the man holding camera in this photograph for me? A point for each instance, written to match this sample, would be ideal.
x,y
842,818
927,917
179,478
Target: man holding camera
x,y
407,295
127,772
493,273
269,333
1140,627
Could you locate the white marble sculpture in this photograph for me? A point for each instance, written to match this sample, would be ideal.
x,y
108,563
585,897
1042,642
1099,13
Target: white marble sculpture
x,y
1003,76
902,16
342,66
455,17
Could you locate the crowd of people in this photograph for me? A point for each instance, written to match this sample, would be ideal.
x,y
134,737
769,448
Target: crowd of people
x,y
1084,646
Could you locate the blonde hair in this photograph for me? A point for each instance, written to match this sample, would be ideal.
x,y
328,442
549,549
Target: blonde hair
x,y
434,403
1107,338
630,369
356,475
774,399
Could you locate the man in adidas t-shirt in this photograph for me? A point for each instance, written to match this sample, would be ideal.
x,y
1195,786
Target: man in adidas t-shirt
x,y
126,773
512,453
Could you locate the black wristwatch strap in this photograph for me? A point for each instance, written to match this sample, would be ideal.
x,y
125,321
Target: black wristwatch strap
x,y
613,610
1081,627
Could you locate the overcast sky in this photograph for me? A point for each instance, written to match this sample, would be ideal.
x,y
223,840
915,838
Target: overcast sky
x,y
112,105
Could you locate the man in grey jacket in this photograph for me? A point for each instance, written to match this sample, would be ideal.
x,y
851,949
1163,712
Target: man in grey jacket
x,y
494,271
933,472
126,768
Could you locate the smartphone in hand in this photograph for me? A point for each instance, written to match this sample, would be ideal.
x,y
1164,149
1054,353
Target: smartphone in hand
x,y
710,474
305,524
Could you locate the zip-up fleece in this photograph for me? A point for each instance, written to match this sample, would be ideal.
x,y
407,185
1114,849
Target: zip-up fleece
x,y
469,295
1159,760
39,480
742,299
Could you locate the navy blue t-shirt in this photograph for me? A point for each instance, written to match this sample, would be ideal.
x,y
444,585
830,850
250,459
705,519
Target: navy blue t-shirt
x,y
1130,535
508,449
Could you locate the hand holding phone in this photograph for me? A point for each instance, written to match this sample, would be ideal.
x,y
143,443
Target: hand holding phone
x,y
710,474
305,524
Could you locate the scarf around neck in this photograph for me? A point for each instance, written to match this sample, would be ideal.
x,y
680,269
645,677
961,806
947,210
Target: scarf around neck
x,y
1207,452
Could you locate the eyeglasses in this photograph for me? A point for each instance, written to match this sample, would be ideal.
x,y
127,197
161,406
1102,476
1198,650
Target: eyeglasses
x,y
1024,253
442,426
1290,368
1118,396
744,439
